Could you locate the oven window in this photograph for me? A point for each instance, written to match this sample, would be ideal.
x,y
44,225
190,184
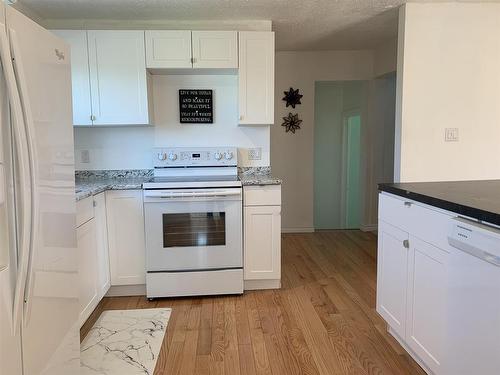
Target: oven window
x,y
194,229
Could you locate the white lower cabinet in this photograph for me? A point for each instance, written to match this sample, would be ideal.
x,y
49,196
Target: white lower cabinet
x,y
262,236
104,277
127,249
87,268
392,270
412,282
425,330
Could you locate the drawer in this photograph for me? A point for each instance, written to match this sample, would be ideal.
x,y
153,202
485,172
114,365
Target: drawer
x,y
425,222
84,211
266,195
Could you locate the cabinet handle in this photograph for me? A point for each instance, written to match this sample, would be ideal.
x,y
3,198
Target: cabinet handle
x,y
92,118
94,204
408,204
241,117
406,244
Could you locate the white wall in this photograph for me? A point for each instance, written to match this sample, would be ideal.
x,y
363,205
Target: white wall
x,y
448,76
292,155
385,58
130,147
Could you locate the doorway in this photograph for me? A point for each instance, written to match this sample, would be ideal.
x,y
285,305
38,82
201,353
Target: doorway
x,y
351,168
338,129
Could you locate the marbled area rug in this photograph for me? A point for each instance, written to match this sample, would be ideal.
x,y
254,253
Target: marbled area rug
x,y
124,342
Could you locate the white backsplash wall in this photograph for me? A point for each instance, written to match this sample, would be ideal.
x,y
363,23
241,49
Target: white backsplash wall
x,y
130,147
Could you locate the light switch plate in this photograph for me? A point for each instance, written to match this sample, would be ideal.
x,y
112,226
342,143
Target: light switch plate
x,y
85,156
255,153
451,135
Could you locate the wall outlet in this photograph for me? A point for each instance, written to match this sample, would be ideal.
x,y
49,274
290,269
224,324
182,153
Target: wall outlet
x,y
85,156
255,153
451,135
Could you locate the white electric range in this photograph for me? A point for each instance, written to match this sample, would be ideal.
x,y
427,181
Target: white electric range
x,y
193,223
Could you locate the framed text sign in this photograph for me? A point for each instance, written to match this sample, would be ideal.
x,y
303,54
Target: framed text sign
x,y
196,107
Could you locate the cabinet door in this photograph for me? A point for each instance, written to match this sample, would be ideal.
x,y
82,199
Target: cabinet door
x,y
87,269
392,272
262,243
256,77
126,237
215,49
118,77
104,278
168,49
427,274
80,78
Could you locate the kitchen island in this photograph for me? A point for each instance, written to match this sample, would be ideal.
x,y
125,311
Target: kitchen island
x,y
438,273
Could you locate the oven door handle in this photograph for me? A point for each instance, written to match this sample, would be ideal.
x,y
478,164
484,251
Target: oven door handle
x,y
190,194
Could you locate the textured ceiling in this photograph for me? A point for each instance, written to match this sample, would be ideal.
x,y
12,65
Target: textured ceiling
x,y
299,24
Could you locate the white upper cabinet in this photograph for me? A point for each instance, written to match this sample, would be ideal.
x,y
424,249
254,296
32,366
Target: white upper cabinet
x,y
168,49
256,77
215,49
82,109
118,77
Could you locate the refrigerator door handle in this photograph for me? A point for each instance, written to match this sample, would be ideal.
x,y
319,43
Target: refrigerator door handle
x,y
24,195
29,131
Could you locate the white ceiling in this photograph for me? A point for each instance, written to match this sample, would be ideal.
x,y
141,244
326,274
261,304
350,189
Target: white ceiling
x,y
299,24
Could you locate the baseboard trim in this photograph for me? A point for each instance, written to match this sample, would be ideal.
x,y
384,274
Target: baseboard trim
x,y
126,290
261,284
297,230
369,227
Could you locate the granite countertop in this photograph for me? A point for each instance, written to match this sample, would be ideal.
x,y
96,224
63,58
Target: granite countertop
x,y
92,186
476,199
88,183
257,176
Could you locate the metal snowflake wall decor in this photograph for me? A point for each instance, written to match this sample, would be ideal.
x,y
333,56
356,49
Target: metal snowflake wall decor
x,y
291,122
292,97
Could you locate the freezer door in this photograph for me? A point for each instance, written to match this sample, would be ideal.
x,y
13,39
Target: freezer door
x,y
50,334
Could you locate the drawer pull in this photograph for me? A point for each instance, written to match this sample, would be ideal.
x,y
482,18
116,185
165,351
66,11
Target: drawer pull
x,y
406,244
408,204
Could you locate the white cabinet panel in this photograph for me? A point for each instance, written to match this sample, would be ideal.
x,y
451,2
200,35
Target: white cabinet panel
x,y
126,237
118,77
392,272
256,77
215,49
104,277
80,79
426,302
262,243
87,269
168,49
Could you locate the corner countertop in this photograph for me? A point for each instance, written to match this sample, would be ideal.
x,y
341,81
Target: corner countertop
x,y
475,199
93,186
89,183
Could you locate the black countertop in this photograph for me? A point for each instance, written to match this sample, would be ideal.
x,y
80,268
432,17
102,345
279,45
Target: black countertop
x,y
476,199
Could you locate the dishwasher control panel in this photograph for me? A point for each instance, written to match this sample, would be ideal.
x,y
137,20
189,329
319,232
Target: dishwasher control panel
x,y
480,240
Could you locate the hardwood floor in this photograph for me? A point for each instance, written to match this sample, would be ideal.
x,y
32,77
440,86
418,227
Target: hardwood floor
x,y
322,321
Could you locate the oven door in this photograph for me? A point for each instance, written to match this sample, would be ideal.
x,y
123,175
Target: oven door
x,y
199,229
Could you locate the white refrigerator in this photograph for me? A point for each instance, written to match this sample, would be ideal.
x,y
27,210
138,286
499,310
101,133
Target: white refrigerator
x,y
39,331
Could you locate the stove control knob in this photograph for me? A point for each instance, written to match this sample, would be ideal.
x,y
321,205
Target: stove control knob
x,y
172,156
228,155
218,156
162,156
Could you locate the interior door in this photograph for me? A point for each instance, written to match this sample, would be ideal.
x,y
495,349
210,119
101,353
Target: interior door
x,y
50,312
